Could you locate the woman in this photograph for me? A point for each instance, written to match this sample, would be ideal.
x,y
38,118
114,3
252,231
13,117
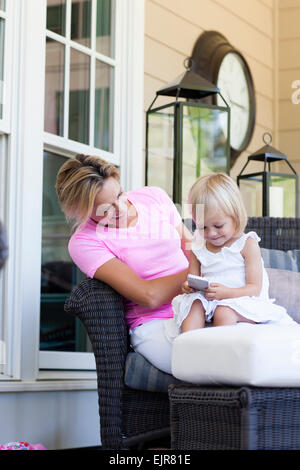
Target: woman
x,y
134,241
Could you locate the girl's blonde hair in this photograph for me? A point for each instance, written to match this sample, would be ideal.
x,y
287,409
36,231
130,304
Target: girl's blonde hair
x,y
77,183
218,191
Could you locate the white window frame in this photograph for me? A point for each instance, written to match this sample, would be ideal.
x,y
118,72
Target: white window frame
x,y
128,73
26,142
54,142
8,51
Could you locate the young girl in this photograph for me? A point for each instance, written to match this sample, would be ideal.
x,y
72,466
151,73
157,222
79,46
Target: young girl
x,y
229,258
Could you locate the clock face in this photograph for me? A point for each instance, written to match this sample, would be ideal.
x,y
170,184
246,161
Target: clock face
x,y
233,84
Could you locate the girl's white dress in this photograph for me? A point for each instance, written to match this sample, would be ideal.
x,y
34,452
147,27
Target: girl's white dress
x,y
227,267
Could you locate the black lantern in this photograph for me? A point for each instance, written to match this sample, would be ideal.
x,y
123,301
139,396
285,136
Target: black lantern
x,y
269,193
187,137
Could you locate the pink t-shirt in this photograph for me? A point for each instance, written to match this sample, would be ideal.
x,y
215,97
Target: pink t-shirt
x,y
152,248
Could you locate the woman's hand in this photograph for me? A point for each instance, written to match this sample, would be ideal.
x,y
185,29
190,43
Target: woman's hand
x,y
217,291
186,289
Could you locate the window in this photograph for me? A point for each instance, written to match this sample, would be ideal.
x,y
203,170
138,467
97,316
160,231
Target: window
x,y
46,118
59,331
80,74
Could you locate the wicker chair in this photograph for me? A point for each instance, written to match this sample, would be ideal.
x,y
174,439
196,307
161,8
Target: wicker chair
x,y
129,416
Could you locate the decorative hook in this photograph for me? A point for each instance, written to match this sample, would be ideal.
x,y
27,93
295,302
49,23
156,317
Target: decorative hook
x,y
267,134
187,63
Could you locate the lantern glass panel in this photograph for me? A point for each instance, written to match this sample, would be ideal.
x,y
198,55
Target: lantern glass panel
x,y
204,144
282,196
252,193
161,149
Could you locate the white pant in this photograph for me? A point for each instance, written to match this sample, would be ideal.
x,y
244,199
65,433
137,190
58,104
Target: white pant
x,y
152,341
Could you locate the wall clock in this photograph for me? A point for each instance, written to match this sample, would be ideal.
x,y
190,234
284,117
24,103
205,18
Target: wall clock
x,y
217,60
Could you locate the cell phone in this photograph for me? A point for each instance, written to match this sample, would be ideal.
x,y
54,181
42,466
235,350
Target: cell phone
x,y
197,282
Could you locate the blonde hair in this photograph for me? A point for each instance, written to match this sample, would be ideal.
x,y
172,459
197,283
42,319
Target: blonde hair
x,y
219,191
77,183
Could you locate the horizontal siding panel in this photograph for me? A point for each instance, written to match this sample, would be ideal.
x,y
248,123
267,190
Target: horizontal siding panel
x,y
151,85
253,12
170,29
263,77
264,111
289,21
284,4
210,16
268,3
289,116
165,64
161,62
289,144
289,54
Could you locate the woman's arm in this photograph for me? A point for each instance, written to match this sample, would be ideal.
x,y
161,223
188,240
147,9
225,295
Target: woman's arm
x,y
149,293
253,267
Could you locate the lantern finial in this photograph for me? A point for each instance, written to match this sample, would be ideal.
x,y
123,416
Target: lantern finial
x,y
265,135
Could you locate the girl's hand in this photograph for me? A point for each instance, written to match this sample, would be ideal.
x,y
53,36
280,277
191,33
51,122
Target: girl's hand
x,y
217,291
186,289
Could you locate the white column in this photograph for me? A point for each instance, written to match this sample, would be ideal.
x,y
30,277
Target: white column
x,y
132,95
25,188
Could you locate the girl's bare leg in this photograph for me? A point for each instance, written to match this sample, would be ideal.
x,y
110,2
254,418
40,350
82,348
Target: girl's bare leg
x,y
195,319
224,315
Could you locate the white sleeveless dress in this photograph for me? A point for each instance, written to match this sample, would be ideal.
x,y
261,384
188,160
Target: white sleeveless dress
x,y
227,267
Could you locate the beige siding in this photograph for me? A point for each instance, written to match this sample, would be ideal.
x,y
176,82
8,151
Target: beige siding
x,y
173,26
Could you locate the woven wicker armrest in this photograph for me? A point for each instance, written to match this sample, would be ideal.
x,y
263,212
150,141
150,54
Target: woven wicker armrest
x,y
279,233
100,308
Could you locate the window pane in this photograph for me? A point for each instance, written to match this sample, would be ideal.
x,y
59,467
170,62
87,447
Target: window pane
x,y
2,27
104,106
59,331
79,106
56,16
160,162
81,21
105,27
204,145
2,5
54,87
251,191
282,196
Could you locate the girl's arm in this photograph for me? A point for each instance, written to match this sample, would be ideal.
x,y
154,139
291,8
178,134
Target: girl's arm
x,y
150,293
253,267
194,268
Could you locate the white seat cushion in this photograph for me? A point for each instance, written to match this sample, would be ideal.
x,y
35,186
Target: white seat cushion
x,y
266,355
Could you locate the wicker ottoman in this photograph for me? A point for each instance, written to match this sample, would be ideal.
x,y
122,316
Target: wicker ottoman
x,y
234,418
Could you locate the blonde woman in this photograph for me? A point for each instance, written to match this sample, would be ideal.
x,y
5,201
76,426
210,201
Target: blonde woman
x,y
229,258
133,241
